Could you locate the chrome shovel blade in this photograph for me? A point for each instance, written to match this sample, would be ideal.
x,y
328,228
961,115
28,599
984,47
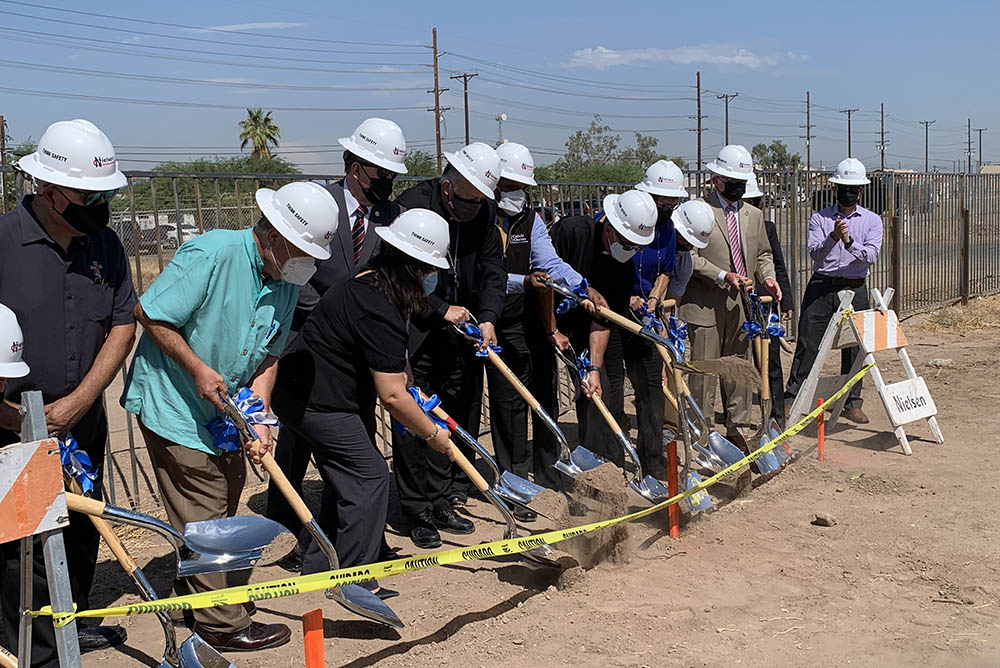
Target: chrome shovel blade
x,y
650,488
699,500
542,555
226,544
707,459
723,448
568,467
515,487
767,462
586,460
362,602
783,451
196,653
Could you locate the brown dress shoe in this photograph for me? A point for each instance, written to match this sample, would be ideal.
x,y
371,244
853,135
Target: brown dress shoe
x,y
855,415
254,637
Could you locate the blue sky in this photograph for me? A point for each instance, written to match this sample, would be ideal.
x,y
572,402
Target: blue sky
x,y
547,65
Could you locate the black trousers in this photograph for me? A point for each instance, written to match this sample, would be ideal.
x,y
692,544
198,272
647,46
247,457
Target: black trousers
x,y
819,303
645,368
356,490
776,380
445,365
595,433
508,411
543,383
81,541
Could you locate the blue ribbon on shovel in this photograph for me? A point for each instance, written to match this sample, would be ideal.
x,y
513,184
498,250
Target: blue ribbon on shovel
x,y
677,333
426,405
227,437
648,319
476,335
581,291
774,327
77,463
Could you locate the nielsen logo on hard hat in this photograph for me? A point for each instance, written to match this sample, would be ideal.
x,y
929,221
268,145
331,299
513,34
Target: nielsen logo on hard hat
x,y
398,151
16,347
103,162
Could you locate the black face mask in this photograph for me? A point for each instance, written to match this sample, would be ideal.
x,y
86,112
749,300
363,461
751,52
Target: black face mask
x,y
378,190
464,209
734,190
87,219
847,197
663,215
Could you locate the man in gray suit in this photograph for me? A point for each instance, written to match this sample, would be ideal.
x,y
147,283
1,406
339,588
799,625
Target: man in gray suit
x,y
737,249
374,155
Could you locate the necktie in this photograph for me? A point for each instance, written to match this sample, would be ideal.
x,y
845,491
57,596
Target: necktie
x,y
358,231
736,249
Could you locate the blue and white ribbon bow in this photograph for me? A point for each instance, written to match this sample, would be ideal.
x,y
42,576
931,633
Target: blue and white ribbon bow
x,y
227,437
774,327
752,324
426,405
677,333
76,463
581,291
476,335
583,363
649,319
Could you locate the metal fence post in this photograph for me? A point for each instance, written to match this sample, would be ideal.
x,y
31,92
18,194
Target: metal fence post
x,y
897,260
966,257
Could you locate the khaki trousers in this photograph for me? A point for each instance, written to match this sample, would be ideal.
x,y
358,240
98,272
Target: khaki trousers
x,y
710,342
195,486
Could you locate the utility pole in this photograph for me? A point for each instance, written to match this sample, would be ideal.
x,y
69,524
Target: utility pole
x,y
979,130
3,163
698,119
808,135
927,125
881,131
437,90
968,147
848,112
727,98
465,90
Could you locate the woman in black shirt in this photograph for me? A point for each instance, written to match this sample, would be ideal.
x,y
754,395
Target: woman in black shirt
x,y
350,350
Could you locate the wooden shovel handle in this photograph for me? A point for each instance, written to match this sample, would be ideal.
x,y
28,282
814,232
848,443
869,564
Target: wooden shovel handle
x,y
619,319
467,467
765,381
605,413
107,533
285,487
7,660
512,379
85,505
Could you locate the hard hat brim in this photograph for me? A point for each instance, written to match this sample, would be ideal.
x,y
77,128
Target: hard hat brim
x,y
265,201
31,164
14,369
728,173
467,175
663,192
388,236
519,178
850,182
619,226
368,156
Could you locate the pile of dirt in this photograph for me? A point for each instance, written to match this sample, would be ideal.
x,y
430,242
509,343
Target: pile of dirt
x,y
553,505
980,313
602,494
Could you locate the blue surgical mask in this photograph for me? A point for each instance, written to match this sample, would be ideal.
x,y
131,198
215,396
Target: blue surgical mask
x,y
430,282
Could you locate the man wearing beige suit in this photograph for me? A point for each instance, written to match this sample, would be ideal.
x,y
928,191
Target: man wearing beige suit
x,y
737,249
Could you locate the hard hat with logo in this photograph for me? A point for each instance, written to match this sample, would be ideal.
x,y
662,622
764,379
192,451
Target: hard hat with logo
x,y
632,214
753,190
379,142
75,154
694,221
11,346
664,178
850,172
479,164
733,162
305,214
421,234
516,163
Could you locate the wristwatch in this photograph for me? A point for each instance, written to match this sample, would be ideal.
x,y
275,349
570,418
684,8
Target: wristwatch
x,y
437,428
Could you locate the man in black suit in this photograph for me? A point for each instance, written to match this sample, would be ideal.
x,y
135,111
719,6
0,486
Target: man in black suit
x,y
373,157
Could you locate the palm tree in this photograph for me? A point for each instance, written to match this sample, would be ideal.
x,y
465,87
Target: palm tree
x,y
259,130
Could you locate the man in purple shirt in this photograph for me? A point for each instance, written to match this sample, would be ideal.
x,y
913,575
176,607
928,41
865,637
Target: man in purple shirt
x,y
844,242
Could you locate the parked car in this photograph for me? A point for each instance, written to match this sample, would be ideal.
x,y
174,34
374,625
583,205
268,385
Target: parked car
x,y
170,237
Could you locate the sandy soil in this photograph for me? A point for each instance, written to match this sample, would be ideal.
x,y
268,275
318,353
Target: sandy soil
x,y
907,576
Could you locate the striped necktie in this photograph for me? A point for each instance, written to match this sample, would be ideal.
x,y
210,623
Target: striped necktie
x,y
736,249
358,231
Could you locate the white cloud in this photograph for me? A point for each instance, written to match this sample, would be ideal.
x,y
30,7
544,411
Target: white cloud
x,y
265,25
722,55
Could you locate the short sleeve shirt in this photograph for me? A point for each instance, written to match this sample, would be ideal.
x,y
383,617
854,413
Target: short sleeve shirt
x,y
353,331
66,303
683,270
214,292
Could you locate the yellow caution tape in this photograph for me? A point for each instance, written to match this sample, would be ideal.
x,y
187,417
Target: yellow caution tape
x,y
303,584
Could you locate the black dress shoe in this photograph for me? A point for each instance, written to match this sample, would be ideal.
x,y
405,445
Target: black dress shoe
x,y
386,593
100,637
447,520
387,553
291,562
254,637
524,515
423,533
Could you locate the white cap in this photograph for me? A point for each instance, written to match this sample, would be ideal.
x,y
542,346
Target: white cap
x,y
379,142
753,190
694,220
11,346
516,163
421,234
305,214
734,162
664,178
75,154
632,214
850,172
479,164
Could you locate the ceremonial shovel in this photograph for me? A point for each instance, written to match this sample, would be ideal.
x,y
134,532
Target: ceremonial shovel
x,y
353,597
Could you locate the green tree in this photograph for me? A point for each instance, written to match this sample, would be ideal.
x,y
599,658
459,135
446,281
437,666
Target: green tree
x,y
775,156
259,130
596,144
420,163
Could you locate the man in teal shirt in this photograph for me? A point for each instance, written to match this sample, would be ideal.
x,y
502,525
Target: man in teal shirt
x,y
216,320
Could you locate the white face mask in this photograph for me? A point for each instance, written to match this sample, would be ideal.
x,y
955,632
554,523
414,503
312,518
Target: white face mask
x,y
513,202
620,253
296,270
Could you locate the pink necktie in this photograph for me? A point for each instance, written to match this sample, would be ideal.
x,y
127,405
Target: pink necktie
x,y
358,231
734,241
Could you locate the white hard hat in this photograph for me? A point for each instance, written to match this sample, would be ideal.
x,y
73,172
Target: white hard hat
x,y
75,154
379,142
421,234
516,163
694,220
11,345
850,172
734,162
305,214
665,178
753,190
479,164
632,214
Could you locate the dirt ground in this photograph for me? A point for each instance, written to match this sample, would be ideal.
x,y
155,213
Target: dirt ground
x,y
909,575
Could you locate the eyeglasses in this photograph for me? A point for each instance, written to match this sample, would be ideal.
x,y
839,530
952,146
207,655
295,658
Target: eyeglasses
x,y
91,197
